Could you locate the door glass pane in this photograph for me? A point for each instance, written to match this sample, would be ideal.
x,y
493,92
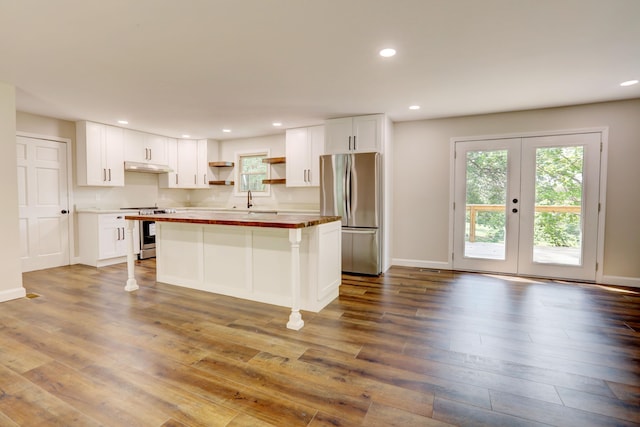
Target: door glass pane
x,y
558,214
485,204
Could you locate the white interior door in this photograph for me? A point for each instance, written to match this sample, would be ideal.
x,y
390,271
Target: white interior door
x,y
43,203
528,205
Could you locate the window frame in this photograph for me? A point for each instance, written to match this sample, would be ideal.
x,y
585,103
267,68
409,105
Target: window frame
x,y
239,155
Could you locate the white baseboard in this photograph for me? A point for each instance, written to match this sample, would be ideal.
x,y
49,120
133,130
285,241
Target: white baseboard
x,y
633,282
438,265
14,293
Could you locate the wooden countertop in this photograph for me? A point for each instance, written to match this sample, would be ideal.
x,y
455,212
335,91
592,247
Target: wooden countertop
x,y
243,219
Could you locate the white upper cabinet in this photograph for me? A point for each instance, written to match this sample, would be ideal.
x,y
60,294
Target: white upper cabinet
x,y
170,180
144,147
100,154
188,159
303,147
354,134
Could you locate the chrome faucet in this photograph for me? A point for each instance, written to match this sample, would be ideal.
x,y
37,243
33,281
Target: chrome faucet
x,y
249,199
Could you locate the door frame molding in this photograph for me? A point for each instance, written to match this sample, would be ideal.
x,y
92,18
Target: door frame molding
x,y
70,173
604,139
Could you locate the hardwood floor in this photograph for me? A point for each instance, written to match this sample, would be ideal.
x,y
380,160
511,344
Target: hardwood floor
x,y
413,347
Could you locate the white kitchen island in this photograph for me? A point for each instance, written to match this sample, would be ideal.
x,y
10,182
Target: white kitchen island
x,y
286,260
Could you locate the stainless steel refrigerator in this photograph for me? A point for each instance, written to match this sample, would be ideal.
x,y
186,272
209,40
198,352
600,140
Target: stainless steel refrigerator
x,y
350,186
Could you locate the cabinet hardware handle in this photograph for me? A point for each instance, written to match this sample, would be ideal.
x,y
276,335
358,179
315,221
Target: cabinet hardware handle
x,y
176,179
349,143
309,176
118,233
204,179
354,142
150,154
109,174
124,235
195,179
104,175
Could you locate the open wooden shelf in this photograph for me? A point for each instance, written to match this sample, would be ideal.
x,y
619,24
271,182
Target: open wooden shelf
x,y
275,181
274,160
221,164
221,182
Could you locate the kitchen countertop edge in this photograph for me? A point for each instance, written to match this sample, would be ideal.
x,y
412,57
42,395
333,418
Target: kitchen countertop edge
x,y
246,220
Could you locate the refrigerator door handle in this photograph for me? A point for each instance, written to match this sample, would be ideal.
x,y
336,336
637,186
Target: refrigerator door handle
x,y
347,190
352,231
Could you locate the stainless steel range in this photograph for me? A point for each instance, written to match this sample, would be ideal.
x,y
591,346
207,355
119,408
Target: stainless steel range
x,y
148,230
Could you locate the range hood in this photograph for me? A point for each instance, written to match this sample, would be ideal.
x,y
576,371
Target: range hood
x,y
146,167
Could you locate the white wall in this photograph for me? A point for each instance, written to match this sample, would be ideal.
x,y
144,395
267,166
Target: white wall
x,y
10,268
422,174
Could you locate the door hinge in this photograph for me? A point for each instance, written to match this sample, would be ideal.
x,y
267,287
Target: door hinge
x,y
454,206
452,256
596,266
601,144
599,206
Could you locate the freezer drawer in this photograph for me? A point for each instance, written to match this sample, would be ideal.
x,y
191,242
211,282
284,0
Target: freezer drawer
x,y
361,251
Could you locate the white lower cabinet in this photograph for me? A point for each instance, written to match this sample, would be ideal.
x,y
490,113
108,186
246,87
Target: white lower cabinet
x,y
103,238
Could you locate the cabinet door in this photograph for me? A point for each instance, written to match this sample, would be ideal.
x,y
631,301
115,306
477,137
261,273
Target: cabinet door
x,y
93,167
297,154
114,156
156,149
187,163
134,146
316,149
339,135
111,236
202,164
367,132
170,180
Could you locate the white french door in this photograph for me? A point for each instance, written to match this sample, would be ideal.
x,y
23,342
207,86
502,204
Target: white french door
x,y
43,203
528,205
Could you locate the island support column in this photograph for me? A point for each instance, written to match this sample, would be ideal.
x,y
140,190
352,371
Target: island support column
x,y
295,318
132,284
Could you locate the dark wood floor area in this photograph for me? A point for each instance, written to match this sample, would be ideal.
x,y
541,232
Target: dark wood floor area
x,y
411,348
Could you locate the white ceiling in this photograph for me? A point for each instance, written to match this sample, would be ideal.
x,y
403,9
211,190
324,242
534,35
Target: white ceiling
x,y
197,66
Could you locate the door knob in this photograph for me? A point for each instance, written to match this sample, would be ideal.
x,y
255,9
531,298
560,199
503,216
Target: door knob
x,y
514,210
515,200
64,211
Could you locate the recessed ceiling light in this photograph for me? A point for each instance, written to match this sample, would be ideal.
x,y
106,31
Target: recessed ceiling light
x,y
629,83
277,124
226,130
123,122
186,136
414,107
388,52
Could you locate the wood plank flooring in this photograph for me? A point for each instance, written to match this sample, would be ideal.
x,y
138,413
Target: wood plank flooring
x,y
411,348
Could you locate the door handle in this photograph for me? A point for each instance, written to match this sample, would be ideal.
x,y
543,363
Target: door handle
x,y
64,211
